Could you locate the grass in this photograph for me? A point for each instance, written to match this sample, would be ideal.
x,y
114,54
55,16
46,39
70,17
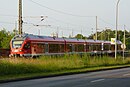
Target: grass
x,y
48,65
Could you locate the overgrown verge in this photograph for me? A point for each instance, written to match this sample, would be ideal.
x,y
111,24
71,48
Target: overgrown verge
x,y
51,64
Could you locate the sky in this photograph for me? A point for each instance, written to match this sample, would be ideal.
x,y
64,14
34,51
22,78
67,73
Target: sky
x,y
65,17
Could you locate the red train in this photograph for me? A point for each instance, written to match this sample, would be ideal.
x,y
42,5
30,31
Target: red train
x,y
29,45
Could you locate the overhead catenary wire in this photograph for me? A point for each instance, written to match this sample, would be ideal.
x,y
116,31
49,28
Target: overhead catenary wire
x,y
56,20
58,11
3,22
105,22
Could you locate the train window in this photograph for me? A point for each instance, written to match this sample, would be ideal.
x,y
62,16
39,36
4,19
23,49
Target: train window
x,y
53,48
98,47
17,44
69,47
106,47
87,47
76,48
112,47
27,46
91,47
46,48
79,48
41,48
61,48
94,47
56,48
119,47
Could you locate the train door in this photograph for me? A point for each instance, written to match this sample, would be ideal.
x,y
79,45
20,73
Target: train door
x,y
27,48
102,46
73,48
46,48
33,49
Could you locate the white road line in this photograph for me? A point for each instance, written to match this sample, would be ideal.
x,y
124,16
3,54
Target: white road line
x,y
97,80
126,75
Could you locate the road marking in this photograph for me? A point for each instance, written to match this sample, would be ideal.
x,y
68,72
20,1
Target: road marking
x,y
97,80
126,75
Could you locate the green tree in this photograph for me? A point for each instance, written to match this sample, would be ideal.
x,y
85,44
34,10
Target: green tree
x,y
80,36
5,38
128,43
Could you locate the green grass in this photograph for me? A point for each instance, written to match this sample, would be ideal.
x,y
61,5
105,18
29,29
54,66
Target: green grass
x,y
48,65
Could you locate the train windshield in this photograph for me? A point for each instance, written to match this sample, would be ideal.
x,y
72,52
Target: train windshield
x,y
17,44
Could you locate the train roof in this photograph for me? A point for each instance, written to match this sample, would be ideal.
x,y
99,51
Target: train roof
x,y
48,38
74,40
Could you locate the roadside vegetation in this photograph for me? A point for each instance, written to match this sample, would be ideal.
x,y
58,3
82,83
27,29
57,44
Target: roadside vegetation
x,y
47,65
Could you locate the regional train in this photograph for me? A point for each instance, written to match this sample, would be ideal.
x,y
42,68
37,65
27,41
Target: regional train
x,y
29,45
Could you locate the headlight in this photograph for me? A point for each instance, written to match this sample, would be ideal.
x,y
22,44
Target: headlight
x,y
20,50
15,50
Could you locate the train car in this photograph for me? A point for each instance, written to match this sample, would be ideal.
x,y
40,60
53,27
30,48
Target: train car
x,y
28,45
33,45
75,45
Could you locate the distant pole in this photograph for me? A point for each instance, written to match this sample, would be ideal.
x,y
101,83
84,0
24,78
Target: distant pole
x,y
15,30
38,31
108,36
96,27
124,44
92,34
81,33
62,34
72,33
117,5
20,17
57,32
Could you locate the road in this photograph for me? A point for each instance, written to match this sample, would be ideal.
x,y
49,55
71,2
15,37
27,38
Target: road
x,y
110,78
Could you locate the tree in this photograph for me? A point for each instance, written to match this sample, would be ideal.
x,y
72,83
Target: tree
x,y
80,36
5,38
127,43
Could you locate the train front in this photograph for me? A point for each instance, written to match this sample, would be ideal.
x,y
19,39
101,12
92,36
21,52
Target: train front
x,y
17,46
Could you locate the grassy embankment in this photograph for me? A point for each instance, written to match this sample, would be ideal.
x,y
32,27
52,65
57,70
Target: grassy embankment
x,y
21,67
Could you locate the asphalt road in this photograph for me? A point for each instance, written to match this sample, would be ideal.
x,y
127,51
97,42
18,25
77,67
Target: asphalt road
x,y
110,78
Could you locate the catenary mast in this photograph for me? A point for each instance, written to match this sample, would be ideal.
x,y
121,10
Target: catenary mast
x,y
20,17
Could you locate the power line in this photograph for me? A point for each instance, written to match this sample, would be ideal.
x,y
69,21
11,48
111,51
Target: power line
x,y
54,19
6,22
61,12
67,23
105,22
57,20
8,15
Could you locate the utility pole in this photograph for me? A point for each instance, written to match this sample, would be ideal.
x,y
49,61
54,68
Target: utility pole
x,y
96,27
62,34
57,32
92,34
117,5
72,33
20,17
124,44
81,34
